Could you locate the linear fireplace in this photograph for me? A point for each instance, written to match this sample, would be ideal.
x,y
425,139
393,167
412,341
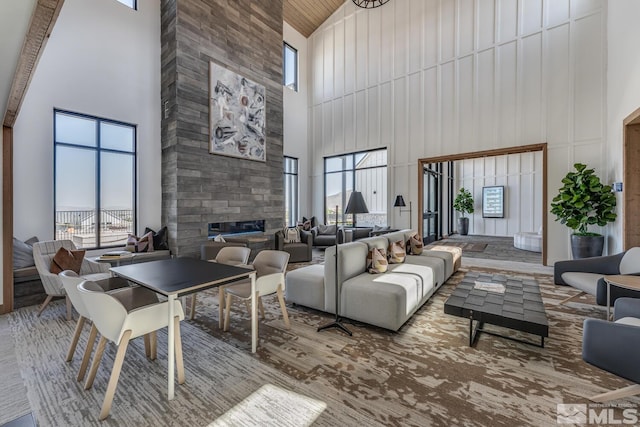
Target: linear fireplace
x,y
235,228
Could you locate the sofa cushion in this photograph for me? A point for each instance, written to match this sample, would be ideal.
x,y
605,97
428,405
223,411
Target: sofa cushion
x,y
140,244
305,286
586,282
23,253
437,266
327,229
377,261
65,259
160,238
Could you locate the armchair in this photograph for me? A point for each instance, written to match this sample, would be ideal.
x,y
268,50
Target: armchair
x,y
615,347
325,235
587,274
43,253
299,252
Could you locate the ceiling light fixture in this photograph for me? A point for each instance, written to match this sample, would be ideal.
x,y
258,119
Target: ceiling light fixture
x,y
369,4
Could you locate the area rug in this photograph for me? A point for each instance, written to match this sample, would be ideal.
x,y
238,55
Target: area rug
x,y
470,247
272,406
218,377
426,374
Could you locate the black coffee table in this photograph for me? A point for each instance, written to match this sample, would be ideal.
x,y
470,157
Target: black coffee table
x,y
520,307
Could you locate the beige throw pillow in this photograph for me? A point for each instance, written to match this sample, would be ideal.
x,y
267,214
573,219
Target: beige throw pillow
x,y
415,246
397,253
377,261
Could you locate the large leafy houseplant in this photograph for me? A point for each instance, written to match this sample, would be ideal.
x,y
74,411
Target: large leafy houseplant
x,y
463,203
583,201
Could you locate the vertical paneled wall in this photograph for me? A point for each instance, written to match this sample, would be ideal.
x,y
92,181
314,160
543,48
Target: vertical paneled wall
x,y
245,37
521,176
435,77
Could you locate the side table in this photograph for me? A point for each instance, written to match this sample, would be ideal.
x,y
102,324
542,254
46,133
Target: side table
x,y
622,281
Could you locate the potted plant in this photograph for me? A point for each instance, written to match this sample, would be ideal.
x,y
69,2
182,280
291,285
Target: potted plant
x,y
463,204
582,201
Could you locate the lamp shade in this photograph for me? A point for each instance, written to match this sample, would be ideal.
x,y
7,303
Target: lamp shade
x,y
399,202
356,204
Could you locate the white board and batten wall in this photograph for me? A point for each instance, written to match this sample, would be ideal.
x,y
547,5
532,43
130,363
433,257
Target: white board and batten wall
x,y
427,78
521,176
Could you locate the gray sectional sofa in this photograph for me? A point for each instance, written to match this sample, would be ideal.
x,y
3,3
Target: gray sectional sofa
x,y
386,300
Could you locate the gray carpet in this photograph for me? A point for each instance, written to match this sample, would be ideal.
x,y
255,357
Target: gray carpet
x,y
218,376
13,404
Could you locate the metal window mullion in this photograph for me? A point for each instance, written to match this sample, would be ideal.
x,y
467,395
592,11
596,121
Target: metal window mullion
x,y
98,184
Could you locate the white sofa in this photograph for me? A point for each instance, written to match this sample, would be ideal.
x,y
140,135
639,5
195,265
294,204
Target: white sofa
x,y
386,300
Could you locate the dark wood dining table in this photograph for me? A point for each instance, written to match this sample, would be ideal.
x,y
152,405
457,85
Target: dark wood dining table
x,y
178,277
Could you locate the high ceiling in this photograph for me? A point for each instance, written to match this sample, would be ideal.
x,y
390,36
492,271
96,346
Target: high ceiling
x,y
307,15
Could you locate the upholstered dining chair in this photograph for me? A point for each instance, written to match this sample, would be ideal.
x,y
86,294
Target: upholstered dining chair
x,y
270,267
70,281
115,323
615,347
230,255
43,253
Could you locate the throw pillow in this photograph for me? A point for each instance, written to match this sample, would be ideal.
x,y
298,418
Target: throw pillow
x,y
397,253
415,245
65,259
140,244
219,239
23,253
306,225
291,235
377,261
312,221
160,238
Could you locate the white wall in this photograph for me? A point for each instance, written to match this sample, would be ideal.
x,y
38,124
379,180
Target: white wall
x,y
102,59
623,90
437,77
295,105
521,176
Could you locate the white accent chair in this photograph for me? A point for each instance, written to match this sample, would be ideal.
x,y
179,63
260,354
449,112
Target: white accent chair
x,y
270,267
230,255
587,275
116,324
70,281
43,253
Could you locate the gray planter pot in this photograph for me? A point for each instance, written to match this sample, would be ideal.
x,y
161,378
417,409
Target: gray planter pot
x,y
586,246
463,226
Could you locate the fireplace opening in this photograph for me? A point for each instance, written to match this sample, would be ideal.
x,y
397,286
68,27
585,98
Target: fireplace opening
x,y
236,228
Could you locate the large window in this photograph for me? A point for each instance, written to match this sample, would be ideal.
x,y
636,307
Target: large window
x,y
291,190
95,162
365,172
290,67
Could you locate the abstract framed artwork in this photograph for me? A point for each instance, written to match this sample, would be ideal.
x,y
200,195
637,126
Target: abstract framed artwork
x,y
236,115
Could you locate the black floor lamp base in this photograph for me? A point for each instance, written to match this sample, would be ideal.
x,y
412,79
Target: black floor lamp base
x,y
335,324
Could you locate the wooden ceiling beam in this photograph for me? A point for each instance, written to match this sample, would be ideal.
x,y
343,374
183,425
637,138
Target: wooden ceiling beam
x,y
45,14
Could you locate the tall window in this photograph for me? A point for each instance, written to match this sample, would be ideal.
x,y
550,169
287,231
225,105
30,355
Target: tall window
x,y
131,3
365,172
95,162
291,190
290,67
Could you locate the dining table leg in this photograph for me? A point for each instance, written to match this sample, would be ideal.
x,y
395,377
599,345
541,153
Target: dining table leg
x,y
254,315
170,347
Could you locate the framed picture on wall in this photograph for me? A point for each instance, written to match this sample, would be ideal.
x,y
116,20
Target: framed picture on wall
x,y
236,114
493,201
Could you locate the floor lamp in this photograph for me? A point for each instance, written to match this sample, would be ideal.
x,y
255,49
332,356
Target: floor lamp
x,y
355,206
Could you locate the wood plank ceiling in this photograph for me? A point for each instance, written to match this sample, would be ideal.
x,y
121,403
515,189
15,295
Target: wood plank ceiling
x,y
307,15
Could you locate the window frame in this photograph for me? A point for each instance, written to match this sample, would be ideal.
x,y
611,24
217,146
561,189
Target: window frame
x,y
295,203
98,150
295,84
344,219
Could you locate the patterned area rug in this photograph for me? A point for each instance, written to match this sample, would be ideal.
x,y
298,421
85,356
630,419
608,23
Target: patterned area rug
x,y
218,377
425,374
471,247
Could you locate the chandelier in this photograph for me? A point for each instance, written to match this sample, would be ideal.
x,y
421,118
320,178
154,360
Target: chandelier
x,y
369,4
